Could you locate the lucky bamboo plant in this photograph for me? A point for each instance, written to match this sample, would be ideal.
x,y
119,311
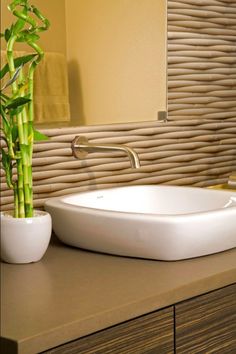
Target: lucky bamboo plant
x,y
17,109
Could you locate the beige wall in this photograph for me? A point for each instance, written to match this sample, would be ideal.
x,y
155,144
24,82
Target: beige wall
x,y
116,54
54,40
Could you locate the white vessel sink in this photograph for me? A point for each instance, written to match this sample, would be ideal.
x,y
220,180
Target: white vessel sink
x,y
156,222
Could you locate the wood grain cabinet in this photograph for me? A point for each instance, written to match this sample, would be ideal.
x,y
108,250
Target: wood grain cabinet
x,y
207,323
204,324
149,334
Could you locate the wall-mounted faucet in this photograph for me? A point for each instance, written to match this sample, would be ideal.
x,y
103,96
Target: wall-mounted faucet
x,y
81,147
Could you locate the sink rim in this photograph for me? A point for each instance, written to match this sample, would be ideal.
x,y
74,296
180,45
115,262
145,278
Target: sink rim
x,y
60,200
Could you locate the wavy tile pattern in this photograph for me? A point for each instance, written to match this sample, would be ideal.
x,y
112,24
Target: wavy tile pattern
x,y
201,59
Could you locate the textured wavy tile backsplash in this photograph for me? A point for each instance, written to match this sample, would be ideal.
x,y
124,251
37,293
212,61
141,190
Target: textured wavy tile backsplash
x,y
196,153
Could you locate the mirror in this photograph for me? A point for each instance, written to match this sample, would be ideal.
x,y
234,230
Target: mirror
x,y
116,56
116,53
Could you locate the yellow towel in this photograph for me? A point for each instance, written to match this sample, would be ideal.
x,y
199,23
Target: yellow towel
x,y
51,94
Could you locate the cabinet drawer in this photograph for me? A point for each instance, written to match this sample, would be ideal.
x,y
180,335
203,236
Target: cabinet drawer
x,y
207,323
149,334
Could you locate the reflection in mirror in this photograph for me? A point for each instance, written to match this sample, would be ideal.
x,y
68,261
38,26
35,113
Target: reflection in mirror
x,y
116,58
116,53
202,60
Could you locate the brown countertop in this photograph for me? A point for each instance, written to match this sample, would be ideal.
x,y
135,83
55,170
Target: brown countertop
x,y
71,293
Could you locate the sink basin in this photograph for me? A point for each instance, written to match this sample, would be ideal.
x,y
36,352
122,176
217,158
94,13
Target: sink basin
x,y
148,221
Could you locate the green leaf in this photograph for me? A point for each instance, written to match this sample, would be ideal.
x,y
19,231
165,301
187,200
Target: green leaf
x,y
38,136
4,116
17,62
14,78
5,159
14,133
7,165
7,34
16,111
19,101
4,71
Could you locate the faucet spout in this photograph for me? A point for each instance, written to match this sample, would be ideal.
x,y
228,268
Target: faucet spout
x,y
81,147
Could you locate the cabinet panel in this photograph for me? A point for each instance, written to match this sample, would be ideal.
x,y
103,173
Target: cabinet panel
x,y
149,334
207,323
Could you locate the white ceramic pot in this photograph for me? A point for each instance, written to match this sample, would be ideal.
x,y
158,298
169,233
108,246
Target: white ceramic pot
x,y
25,240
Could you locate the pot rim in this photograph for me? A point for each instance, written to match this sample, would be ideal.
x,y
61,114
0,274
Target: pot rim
x,y
37,214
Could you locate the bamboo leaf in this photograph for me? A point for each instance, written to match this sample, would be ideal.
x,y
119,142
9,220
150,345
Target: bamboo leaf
x,y
7,34
17,62
5,159
7,165
38,136
16,111
19,101
14,133
4,116
14,78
